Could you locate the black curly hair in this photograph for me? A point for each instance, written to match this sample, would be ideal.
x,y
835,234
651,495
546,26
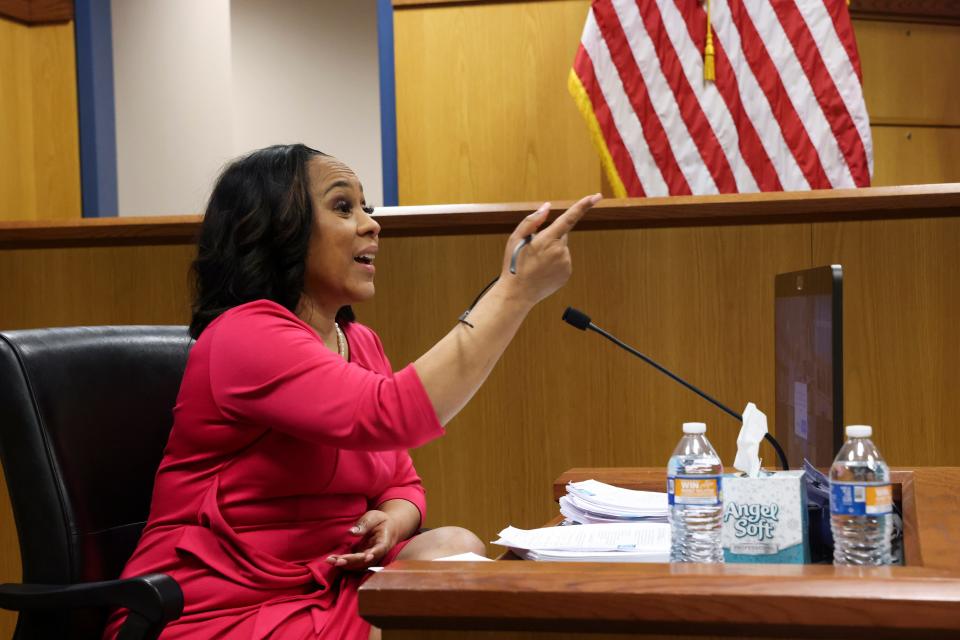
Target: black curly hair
x,y
255,235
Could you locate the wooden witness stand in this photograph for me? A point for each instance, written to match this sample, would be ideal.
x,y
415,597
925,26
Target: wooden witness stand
x,y
538,599
660,268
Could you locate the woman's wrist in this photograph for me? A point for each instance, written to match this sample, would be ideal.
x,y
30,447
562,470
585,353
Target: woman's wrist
x,y
512,296
403,515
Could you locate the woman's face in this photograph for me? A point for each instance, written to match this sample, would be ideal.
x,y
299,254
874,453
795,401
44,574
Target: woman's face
x,y
344,240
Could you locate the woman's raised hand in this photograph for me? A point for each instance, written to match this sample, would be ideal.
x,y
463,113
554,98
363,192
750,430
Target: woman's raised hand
x,y
544,265
453,370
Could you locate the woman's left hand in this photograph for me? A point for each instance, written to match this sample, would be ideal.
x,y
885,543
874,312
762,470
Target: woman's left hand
x,y
377,533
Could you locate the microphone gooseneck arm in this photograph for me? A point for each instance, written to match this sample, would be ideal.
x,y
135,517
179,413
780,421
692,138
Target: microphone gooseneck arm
x,y
582,321
663,370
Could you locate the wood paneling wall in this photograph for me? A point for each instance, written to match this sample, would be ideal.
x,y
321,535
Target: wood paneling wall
x,y
39,140
901,345
916,155
483,113
95,285
909,73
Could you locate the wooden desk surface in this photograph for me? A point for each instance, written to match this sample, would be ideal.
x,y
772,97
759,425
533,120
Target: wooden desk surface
x,y
919,600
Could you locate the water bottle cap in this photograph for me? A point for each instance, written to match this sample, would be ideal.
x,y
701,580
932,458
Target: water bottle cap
x,y
859,431
694,427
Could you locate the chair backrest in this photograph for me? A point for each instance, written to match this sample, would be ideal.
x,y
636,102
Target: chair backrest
x,y
85,414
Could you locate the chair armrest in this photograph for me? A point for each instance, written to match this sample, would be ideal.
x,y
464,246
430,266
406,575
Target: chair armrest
x,y
156,597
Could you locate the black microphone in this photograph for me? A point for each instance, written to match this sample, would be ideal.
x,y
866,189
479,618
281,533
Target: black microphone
x,y
581,321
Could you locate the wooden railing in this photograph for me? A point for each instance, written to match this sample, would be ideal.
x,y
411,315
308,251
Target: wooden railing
x,y
877,203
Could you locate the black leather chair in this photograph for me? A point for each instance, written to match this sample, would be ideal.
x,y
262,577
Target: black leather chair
x,y
84,417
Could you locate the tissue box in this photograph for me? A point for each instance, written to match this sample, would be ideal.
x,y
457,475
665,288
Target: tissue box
x,y
765,518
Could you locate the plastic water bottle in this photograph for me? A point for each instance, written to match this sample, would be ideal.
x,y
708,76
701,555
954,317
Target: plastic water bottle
x,y
861,501
693,489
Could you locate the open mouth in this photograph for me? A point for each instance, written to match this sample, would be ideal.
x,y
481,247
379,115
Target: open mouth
x,y
365,258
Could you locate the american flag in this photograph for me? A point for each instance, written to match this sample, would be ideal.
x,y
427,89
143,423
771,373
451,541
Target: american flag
x,y
784,112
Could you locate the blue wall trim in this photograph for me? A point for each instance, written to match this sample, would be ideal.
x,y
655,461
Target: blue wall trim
x,y
98,135
388,102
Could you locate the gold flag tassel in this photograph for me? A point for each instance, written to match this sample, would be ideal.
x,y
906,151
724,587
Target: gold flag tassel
x,y
709,69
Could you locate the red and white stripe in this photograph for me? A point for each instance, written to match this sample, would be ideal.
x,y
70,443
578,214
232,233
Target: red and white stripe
x,y
786,111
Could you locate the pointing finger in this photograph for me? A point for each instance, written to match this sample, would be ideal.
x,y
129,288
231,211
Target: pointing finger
x,y
569,218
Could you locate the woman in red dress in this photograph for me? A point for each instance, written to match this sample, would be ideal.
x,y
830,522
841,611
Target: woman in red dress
x,y
287,474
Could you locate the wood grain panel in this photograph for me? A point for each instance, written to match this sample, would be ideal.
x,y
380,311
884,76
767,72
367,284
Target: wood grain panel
x,y
39,143
42,11
17,187
93,286
901,345
730,600
483,113
697,300
37,11
96,232
56,142
943,11
915,155
15,10
910,73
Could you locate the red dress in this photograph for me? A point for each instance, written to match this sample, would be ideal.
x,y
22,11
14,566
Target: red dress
x,y
278,447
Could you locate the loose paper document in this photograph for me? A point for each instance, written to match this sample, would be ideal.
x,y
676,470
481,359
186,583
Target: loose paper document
x,y
632,542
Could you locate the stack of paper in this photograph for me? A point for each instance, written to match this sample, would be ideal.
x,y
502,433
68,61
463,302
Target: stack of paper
x,y
592,502
626,542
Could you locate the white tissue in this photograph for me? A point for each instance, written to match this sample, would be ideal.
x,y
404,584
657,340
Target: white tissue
x,y
748,442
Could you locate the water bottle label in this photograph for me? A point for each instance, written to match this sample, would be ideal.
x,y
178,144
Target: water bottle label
x,y
699,490
851,499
